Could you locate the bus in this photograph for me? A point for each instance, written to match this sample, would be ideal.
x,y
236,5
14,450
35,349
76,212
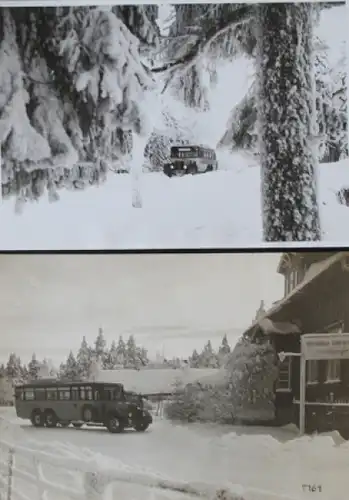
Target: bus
x,y
190,160
51,403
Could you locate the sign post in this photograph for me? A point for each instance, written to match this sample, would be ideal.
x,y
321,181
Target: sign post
x,y
315,347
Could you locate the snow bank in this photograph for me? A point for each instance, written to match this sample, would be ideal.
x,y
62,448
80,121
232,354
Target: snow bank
x,y
256,463
218,209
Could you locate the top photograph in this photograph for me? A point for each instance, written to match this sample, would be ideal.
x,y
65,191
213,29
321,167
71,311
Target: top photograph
x,y
174,126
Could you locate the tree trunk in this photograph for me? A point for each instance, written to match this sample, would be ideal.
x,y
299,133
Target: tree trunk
x,y
287,127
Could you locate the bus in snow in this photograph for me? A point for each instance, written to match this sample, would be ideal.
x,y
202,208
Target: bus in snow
x,y
190,160
50,403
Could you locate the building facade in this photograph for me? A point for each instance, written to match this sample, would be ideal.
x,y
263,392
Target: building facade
x,y
316,300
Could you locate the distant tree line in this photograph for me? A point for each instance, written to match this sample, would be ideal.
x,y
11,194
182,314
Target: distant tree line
x,y
120,354
210,358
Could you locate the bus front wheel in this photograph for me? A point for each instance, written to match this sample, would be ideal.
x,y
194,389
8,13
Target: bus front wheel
x,y
37,418
141,426
51,419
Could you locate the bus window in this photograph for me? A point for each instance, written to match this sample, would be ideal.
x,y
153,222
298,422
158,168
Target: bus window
x,y
40,394
63,394
116,393
51,394
29,395
86,393
75,393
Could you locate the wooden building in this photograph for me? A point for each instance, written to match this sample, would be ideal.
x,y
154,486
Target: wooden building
x,y
316,300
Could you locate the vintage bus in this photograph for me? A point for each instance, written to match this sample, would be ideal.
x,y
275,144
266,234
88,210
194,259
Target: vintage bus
x,y
190,160
48,403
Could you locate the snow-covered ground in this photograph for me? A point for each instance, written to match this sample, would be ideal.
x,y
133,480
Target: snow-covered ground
x,y
218,209
255,459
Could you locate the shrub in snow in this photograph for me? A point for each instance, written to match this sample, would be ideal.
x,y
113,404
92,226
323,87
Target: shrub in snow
x,y
246,394
185,404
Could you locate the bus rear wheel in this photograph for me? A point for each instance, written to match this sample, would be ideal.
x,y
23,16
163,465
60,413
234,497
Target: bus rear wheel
x,y
114,425
37,418
51,419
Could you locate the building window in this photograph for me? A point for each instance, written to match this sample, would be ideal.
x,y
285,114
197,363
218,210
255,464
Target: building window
x,y
284,380
333,369
312,371
333,372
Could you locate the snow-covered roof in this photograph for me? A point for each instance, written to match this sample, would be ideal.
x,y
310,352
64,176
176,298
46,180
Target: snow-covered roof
x,y
268,326
219,377
313,272
148,381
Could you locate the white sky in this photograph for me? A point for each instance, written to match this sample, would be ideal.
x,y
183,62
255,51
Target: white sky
x,y
171,303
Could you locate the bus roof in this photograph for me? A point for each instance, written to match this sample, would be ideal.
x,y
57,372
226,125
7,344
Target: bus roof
x,y
64,383
185,147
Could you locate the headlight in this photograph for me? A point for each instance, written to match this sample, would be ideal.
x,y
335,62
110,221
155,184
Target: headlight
x,y
130,415
171,166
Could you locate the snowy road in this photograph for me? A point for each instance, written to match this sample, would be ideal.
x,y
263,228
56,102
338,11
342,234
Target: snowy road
x,y
218,209
269,459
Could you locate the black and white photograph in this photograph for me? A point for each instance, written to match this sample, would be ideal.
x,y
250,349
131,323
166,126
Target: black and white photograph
x,y
173,125
174,376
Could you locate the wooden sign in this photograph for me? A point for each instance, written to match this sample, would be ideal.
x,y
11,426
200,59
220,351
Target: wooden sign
x,y
320,346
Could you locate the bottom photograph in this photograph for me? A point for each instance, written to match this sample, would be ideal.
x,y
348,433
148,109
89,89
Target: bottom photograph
x,y
174,376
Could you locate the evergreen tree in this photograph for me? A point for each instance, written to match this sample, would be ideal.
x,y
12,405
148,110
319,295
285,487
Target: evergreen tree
x,y
253,371
33,368
2,370
132,359
224,348
66,104
71,368
111,358
13,367
194,360
121,352
208,358
100,347
83,358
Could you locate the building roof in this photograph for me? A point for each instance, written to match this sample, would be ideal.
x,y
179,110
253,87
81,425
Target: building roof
x,y
157,381
314,271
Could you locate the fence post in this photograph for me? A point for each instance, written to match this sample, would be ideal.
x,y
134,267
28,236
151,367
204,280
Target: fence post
x,y
10,464
94,485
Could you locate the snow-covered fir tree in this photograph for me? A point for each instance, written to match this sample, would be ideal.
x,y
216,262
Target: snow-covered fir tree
x,y
110,359
223,351
194,359
66,103
121,351
13,368
84,358
100,346
189,85
33,367
208,357
132,354
70,369
253,371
